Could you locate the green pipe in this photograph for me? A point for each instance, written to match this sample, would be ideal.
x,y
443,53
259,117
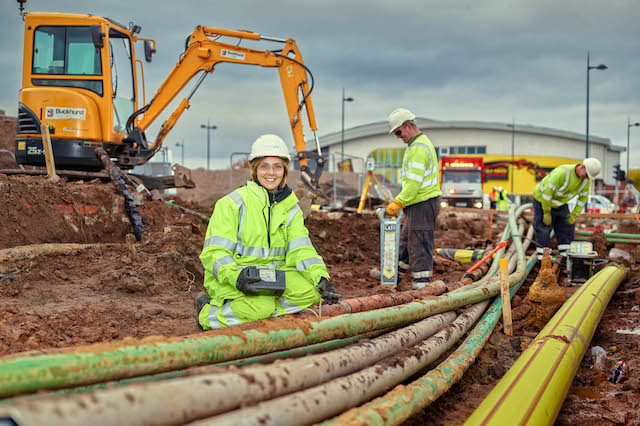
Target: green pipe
x,y
95,364
611,240
259,359
404,401
610,234
496,259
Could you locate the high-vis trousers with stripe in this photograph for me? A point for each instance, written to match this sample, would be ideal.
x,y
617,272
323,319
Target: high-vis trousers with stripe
x,y
564,232
416,238
300,294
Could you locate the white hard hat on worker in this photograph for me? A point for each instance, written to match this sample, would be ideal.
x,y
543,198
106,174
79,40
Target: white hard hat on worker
x,y
398,117
269,146
592,166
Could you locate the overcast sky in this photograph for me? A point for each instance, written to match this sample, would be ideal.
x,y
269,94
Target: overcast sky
x,y
491,60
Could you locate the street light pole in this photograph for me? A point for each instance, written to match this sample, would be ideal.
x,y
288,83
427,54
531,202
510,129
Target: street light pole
x,y
181,145
349,99
209,128
629,126
513,143
600,67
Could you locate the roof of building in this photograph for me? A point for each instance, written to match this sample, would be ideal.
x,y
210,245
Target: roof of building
x,y
381,127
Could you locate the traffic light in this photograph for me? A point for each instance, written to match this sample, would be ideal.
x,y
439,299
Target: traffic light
x,y
622,176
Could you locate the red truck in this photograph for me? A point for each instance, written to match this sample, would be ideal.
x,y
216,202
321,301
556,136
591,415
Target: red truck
x,y
461,181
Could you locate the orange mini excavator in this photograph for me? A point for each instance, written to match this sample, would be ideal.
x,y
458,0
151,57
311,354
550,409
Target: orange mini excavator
x,y
82,79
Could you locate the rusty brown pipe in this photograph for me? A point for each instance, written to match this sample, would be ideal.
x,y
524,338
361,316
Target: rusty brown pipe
x,y
377,301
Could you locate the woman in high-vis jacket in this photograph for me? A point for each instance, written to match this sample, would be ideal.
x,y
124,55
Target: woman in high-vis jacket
x,y
260,226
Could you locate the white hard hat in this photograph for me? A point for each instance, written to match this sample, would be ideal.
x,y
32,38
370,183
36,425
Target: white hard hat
x,y
592,167
269,146
398,117
499,189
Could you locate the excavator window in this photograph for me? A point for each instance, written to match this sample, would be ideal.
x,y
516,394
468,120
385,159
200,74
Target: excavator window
x,y
65,51
93,85
122,82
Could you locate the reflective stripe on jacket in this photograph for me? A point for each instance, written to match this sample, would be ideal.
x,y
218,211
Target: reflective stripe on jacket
x,y
420,172
561,185
245,229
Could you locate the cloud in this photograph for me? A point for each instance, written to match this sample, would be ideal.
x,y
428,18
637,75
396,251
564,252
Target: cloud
x,y
484,61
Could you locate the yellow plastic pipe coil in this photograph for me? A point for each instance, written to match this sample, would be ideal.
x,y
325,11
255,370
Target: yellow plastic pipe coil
x,y
533,390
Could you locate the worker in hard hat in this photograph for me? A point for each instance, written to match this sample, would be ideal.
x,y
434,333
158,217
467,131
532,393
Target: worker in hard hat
x,y
502,199
550,209
419,197
492,197
254,233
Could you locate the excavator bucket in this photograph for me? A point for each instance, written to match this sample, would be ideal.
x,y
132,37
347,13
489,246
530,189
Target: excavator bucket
x,y
305,198
182,177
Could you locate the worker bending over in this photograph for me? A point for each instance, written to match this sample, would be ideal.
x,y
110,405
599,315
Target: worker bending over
x,y
550,209
420,198
258,259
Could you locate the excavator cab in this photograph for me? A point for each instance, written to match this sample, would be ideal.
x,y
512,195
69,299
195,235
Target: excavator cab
x,y
79,79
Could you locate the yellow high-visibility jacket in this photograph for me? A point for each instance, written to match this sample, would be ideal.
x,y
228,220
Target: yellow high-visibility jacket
x,y
420,172
561,185
247,228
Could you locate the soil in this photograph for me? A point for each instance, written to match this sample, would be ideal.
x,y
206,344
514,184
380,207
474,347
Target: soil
x,y
104,289
7,141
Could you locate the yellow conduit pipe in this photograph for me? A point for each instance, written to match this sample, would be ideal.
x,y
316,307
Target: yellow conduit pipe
x,y
534,389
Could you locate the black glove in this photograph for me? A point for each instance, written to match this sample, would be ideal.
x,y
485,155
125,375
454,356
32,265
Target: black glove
x,y
244,280
328,292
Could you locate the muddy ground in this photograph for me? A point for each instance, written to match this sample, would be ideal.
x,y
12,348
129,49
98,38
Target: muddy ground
x,y
107,290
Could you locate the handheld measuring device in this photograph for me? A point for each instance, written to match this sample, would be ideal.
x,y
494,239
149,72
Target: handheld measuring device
x,y
272,282
389,247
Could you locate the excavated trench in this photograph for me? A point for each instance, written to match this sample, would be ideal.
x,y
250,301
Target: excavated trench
x,y
68,278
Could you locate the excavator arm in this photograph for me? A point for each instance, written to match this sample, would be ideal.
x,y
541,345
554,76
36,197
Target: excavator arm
x,y
201,56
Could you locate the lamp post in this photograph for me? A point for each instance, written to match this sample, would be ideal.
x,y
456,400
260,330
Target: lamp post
x,y
349,99
513,144
629,126
600,67
181,145
209,128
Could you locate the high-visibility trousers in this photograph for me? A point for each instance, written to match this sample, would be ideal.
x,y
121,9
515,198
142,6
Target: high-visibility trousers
x,y
299,294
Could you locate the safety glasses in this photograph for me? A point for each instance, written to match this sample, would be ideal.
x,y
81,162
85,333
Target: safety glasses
x,y
277,167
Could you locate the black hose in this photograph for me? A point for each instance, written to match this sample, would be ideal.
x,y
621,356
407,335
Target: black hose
x,y
119,181
310,77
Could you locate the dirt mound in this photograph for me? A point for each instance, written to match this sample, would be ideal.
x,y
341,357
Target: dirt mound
x,y
7,141
8,127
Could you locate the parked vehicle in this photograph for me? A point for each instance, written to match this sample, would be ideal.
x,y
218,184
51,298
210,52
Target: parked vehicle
x,y
595,204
